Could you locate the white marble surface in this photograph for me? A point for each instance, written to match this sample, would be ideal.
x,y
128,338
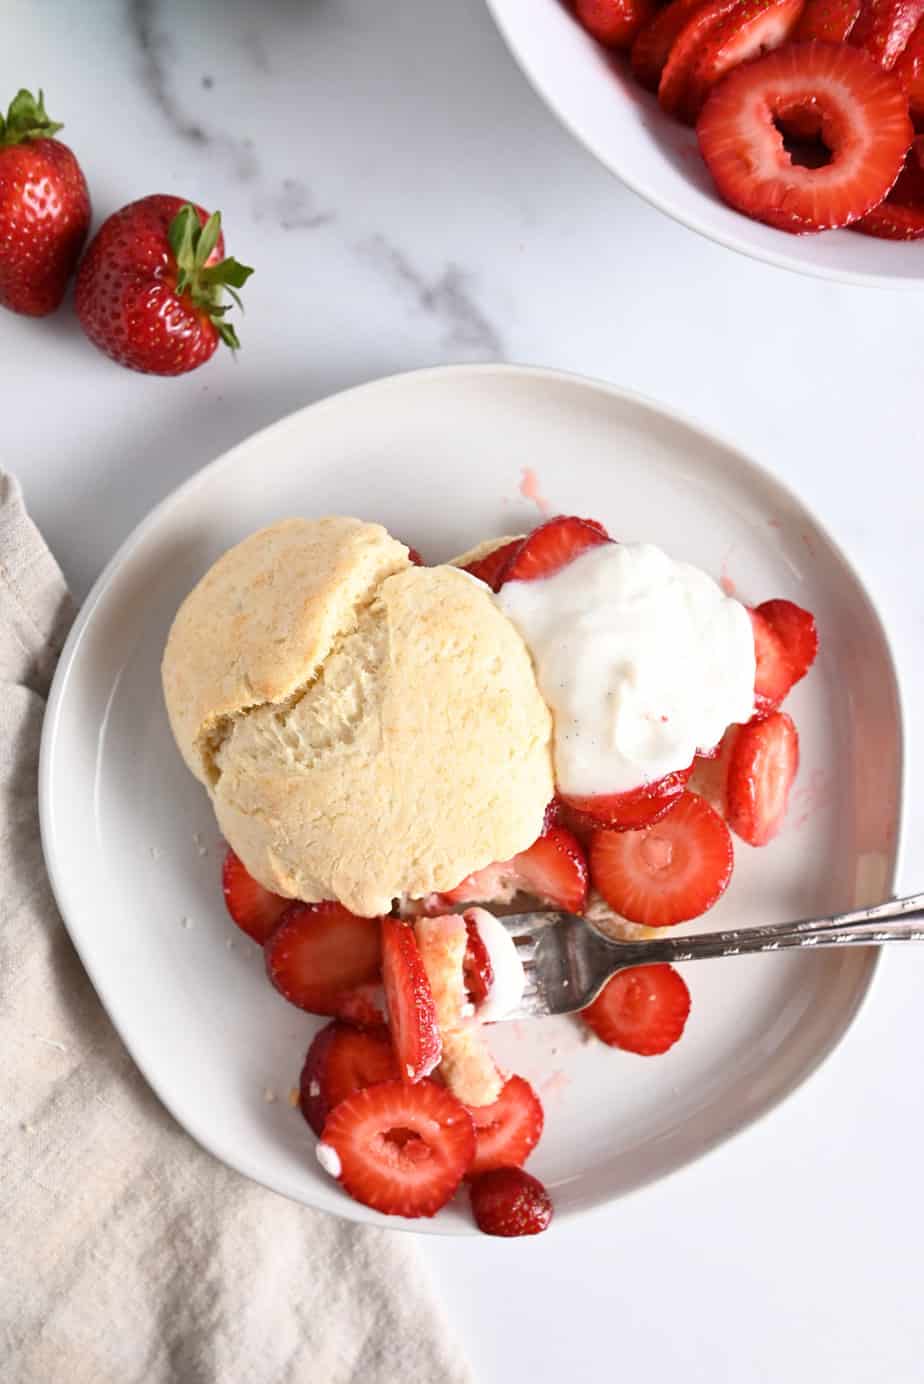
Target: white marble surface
x,y
407,201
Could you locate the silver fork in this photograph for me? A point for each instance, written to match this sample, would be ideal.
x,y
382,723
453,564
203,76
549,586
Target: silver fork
x,y
568,960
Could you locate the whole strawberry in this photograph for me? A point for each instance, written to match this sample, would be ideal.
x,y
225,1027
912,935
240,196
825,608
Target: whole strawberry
x,y
151,287
44,209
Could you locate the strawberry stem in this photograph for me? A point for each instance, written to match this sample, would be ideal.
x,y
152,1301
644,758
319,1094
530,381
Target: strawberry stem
x,y
27,119
193,245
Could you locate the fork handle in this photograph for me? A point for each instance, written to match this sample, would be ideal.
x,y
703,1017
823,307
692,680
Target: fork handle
x,y
899,920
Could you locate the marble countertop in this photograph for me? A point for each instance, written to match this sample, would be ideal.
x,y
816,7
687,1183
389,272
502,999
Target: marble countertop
x,y
408,201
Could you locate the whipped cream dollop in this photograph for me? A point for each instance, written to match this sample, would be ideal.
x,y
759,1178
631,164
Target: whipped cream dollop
x,y
642,661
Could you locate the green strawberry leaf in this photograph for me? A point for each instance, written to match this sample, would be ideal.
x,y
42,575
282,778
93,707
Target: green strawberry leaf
x,y
27,119
193,245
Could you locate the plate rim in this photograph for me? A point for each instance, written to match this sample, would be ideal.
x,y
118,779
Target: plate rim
x,y
354,1211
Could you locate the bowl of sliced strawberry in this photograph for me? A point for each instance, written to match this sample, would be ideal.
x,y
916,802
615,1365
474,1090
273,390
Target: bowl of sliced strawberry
x,y
788,130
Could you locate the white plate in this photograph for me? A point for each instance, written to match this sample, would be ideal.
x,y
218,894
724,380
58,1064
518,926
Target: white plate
x,y
595,96
436,456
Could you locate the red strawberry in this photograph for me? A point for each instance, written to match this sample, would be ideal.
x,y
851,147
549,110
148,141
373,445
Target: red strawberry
x,y
44,209
797,632
763,762
667,873
414,557
552,546
151,287
866,127
613,22
402,1149
831,20
363,1006
642,1010
910,71
652,48
255,910
411,1011
553,869
476,967
490,568
507,1131
775,673
885,27
753,28
675,79
637,808
901,215
341,1061
508,1201
319,953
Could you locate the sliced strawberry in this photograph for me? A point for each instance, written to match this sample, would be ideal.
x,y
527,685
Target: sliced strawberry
x,y
613,22
255,910
675,79
342,1060
668,873
909,69
797,632
642,1010
552,546
401,1149
411,1011
831,20
490,568
507,1131
901,215
753,28
763,762
775,673
652,48
363,1006
509,1201
319,953
885,27
413,556
553,869
477,968
640,807
864,119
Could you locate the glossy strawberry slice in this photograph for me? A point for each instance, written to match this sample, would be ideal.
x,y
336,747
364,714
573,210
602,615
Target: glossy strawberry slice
x,y
400,1149
640,807
476,968
507,1131
885,27
667,873
510,1202
754,27
901,215
411,1011
490,568
255,910
864,115
553,870
675,79
909,69
831,20
320,953
775,673
613,22
797,632
652,48
552,546
340,1061
643,1010
763,762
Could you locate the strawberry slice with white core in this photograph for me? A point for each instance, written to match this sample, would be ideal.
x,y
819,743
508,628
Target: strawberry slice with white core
x,y
753,27
403,1150
643,1010
340,1061
254,908
797,632
507,1131
639,807
320,953
675,79
864,124
668,873
831,20
552,546
552,870
762,765
411,1010
652,48
885,27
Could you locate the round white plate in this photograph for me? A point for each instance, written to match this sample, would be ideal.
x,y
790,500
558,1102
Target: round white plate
x,y
436,456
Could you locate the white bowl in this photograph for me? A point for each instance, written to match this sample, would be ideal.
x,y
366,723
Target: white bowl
x,y
133,849
595,96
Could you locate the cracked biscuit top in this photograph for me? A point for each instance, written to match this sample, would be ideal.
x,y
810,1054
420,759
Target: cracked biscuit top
x,y
367,729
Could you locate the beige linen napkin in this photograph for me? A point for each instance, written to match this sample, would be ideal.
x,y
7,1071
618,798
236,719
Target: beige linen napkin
x,y
127,1253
